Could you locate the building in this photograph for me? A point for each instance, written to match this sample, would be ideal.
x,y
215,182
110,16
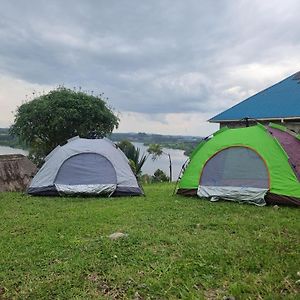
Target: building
x,y
279,104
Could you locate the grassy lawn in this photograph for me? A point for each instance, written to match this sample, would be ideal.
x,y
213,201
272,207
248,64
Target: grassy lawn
x,y
177,247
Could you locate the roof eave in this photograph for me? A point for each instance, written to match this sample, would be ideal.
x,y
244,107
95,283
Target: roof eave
x,y
254,119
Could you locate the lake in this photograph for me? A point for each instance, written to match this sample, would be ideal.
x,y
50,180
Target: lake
x,y
177,156
9,150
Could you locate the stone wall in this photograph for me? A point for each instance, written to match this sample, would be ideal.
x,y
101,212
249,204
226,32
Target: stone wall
x,y
16,172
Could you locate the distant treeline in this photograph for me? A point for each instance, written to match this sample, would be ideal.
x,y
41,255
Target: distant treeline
x,y
6,139
186,143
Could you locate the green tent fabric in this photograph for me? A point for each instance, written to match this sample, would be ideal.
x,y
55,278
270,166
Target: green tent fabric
x,y
254,157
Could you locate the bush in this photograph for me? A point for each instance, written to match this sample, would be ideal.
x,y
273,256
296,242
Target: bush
x,y
51,119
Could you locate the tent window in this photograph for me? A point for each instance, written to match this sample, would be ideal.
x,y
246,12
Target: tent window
x,y
236,167
86,168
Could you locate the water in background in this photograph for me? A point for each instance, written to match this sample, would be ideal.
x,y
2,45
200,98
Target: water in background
x,y
9,150
177,156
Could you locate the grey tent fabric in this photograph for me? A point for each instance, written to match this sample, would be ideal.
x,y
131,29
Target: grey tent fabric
x,y
85,166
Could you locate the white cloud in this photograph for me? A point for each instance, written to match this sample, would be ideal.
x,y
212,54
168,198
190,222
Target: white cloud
x,y
15,93
168,65
190,83
174,124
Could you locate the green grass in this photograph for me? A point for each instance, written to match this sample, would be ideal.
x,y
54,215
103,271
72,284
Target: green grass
x,y
177,247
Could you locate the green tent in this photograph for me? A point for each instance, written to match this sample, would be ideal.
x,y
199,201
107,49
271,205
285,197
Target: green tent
x,y
257,164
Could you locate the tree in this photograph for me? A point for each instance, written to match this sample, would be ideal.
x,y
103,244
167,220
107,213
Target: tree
x,y
146,178
156,150
49,120
136,159
134,156
159,176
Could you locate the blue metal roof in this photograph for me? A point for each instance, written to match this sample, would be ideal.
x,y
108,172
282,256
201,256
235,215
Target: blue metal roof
x,y
281,100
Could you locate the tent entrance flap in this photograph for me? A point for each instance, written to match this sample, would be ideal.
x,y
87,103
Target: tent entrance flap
x,y
235,173
86,169
235,166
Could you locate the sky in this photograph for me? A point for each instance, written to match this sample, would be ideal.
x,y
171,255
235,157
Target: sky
x,y
166,66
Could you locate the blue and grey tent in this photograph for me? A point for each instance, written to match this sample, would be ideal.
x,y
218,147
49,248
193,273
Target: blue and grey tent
x,y
88,167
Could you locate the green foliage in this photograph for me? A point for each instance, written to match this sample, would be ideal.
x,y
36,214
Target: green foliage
x,y
186,143
155,150
137,159
146,179
160,176
6,139
133,154
51,119
177,248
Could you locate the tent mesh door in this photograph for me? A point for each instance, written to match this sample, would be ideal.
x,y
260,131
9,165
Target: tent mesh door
x,y
86,168
237,167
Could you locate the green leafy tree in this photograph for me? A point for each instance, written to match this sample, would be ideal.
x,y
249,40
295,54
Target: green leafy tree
x,y
134,156
159,176
146,178
156,151
49,120
136,159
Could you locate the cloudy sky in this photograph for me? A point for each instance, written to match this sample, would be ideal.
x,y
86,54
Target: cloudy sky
x,y
166,65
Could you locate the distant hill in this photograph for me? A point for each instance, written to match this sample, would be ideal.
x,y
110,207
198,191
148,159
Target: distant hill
x,y
152,137
4,130
8,140
186,143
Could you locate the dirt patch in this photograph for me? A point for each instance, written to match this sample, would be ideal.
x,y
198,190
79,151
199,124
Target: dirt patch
x,y
106,288
2,292
214,294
